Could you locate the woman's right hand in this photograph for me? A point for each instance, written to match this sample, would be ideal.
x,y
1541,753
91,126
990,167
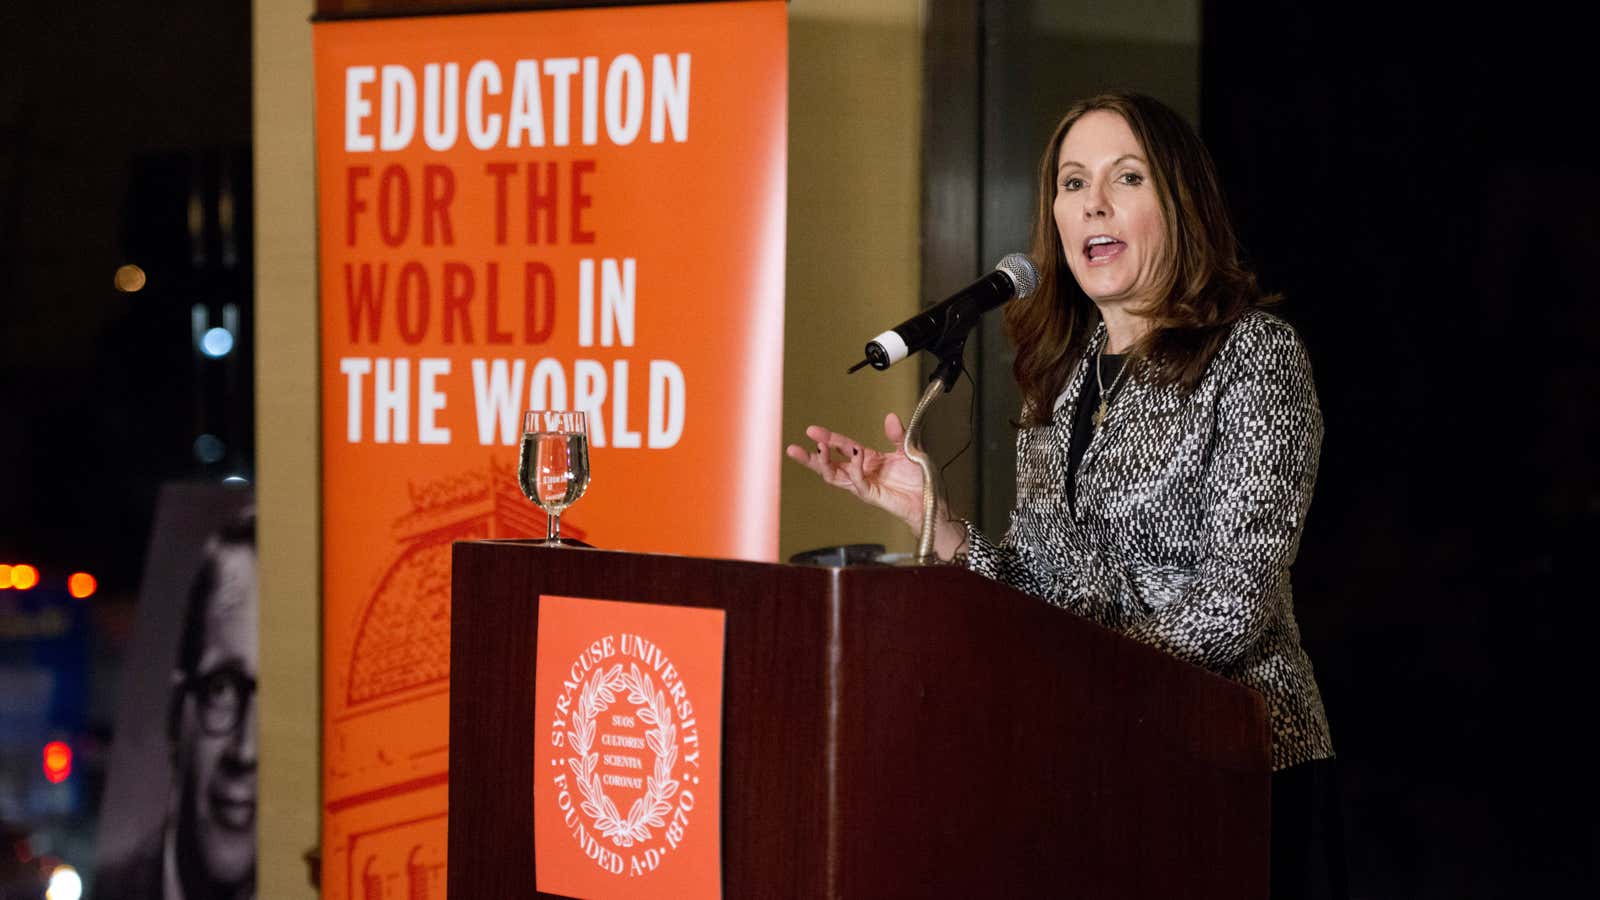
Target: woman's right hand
x,y
888,480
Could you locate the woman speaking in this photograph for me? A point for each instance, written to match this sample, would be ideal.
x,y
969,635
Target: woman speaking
x,y
1168,438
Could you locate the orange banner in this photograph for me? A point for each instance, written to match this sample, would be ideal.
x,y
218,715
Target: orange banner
x,y
580,209
628,766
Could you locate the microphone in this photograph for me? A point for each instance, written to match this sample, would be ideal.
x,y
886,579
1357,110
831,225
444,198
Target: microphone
x,y
1013,276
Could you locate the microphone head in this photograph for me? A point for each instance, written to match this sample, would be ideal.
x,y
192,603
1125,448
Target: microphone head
x,y
1019,268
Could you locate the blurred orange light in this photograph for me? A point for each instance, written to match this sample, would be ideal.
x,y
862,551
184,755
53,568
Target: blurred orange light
x,y
81,584
129,278
24,577
5,577
57,761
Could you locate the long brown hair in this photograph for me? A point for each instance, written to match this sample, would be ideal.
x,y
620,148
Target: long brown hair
x,y
1202,286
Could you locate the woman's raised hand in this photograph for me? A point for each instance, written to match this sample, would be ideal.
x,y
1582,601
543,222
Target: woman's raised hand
x,y
887,480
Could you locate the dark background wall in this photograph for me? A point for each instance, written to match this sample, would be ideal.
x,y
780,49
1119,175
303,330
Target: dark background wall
x,y
114,119
1422,189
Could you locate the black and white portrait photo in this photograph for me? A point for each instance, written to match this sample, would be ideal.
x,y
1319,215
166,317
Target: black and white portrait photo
x,y
180,810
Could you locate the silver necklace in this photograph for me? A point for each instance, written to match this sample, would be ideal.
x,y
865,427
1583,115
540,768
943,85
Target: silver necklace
x,y
1105,395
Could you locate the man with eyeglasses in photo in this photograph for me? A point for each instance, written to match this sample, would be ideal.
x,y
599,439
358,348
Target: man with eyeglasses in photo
x,y
207,847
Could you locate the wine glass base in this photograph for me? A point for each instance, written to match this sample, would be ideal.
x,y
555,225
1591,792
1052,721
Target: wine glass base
x,y
564,542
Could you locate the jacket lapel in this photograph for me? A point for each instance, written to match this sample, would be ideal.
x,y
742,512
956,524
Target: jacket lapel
x,y
1067,403
1096,440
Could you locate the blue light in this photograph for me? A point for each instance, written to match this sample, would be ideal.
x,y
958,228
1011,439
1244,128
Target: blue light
x,y
217,343
208,448
236,481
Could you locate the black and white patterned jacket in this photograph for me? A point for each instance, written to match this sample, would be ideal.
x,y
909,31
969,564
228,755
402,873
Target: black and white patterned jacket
x,y
1189,511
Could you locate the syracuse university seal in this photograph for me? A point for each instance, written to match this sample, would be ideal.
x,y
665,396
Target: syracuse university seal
x,y
625,729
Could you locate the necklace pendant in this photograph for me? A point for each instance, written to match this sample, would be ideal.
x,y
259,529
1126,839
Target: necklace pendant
x,y
1100,415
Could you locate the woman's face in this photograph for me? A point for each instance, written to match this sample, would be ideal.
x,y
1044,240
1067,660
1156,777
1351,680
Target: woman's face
x,y
1107,211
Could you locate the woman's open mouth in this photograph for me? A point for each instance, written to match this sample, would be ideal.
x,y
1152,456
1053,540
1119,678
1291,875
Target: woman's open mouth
x,y
1101,248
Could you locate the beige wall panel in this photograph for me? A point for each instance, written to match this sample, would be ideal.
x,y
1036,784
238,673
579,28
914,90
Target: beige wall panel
x,y
855,88
286,448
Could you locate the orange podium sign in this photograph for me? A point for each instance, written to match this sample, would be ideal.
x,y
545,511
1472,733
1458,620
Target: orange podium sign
x,y
628,725
573,209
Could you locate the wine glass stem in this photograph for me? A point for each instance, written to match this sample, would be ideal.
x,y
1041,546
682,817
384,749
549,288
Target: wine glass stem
x,y
552,528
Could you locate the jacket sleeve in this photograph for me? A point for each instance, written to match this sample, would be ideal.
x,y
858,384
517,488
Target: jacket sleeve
x,y
1015,563
1258,488
1006,562
1015,560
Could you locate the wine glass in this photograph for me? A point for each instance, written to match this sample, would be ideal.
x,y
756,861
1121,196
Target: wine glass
x,y
553,470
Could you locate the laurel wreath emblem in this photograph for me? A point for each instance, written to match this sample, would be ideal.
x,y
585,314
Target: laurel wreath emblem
x,y
651,707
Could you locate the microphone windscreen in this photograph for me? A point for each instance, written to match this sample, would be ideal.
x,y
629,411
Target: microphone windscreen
x,y
1022,273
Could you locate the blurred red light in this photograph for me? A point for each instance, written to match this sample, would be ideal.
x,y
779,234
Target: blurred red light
x,y
57,761
24,577
81,584
5,577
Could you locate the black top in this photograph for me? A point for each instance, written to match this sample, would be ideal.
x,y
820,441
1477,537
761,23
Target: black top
x,y
1083,420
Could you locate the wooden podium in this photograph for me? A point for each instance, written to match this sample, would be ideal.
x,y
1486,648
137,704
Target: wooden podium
x,y
887,732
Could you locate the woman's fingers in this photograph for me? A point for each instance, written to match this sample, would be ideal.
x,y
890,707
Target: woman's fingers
x,y
854,469
894,430
844,443
838,458
819,456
